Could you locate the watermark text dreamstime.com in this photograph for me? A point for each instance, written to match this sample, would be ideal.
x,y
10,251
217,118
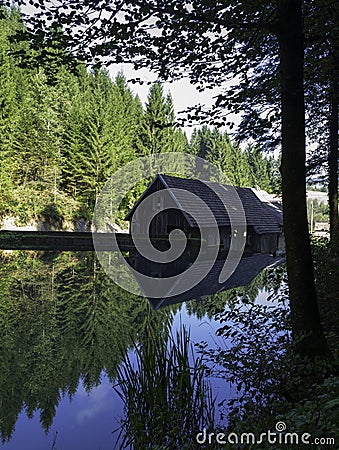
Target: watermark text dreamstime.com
x,y
279,436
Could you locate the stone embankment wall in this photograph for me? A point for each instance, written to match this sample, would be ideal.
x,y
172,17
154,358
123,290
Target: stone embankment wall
x,y
45,224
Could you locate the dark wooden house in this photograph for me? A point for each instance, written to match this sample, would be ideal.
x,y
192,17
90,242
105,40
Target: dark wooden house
x,y
263,217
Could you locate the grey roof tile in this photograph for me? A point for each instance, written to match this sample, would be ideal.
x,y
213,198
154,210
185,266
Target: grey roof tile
x,y
263,216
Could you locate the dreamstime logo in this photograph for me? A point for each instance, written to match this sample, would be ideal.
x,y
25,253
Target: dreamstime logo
x,y
280,436
188,202
280,426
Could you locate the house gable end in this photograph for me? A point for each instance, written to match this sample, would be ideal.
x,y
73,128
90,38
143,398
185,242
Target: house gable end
x,y
162,180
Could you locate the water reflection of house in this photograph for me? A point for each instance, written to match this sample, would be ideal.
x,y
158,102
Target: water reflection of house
x,y
263,214
248,268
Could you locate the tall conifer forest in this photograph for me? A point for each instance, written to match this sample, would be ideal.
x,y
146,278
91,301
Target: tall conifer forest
x,y
65,129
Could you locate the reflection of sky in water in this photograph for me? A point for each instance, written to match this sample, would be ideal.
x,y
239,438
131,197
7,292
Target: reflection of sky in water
x,y
87,422
205,330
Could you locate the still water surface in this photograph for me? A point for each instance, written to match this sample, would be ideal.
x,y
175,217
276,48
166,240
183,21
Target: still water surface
x,y
64,329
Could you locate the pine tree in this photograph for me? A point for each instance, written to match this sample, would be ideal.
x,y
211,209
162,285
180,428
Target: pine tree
x,y
176,138
87,156
11,86
39,138
102,134
243,168
258,166
7,95
126,119
158,131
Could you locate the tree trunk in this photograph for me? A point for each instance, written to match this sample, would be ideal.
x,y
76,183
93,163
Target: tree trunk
x,y
333,155
306,323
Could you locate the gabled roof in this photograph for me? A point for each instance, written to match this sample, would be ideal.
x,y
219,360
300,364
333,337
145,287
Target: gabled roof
x,y
144,194
264,217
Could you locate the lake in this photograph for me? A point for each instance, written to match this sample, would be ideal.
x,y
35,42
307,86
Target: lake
x,y
65,329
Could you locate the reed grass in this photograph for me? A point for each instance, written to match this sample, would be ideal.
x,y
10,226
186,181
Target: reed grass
x,y
167,398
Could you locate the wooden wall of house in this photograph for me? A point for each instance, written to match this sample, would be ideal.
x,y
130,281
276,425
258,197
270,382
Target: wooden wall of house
x,y
165,221
281,242
252,241
268,243
162,224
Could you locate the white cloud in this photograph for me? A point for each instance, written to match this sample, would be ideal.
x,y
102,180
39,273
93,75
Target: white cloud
x,y
99,400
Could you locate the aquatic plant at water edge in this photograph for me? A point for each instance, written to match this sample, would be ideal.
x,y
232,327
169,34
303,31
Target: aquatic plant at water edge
x,y
166,397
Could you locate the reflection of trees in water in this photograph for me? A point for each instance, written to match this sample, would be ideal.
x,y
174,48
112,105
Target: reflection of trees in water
x,y
61,320
269,280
